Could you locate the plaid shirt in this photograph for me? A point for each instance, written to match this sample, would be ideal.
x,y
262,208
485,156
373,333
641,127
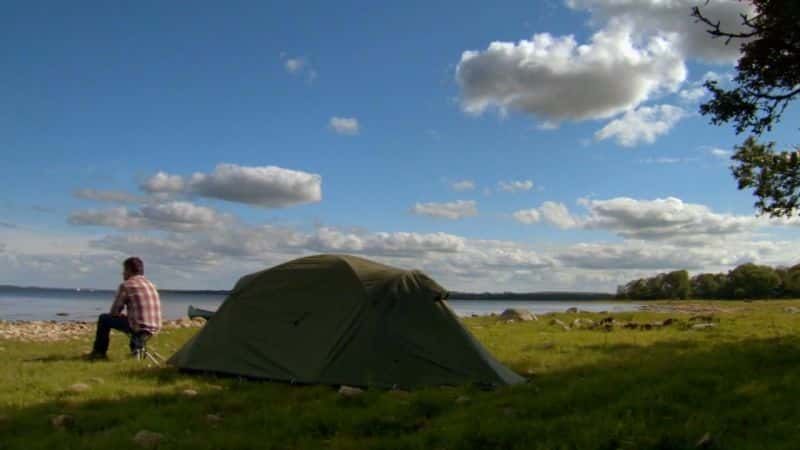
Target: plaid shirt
x,y
140,297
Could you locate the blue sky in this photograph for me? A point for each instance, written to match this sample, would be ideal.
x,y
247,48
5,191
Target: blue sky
x,y
523,146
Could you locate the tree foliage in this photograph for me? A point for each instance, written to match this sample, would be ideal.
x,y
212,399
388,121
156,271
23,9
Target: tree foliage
x,y
743,282
767,80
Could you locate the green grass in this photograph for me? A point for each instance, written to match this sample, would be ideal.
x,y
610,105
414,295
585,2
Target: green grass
x,y
588,389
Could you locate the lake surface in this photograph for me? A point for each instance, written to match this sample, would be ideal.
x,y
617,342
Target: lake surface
x,y
86,305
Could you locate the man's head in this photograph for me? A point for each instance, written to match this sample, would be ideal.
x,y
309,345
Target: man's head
x,y
131,267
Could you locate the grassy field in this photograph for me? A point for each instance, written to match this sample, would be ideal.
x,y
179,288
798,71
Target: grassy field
x,y
737,384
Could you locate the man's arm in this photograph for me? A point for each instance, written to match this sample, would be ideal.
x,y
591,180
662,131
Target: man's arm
x,y
119,301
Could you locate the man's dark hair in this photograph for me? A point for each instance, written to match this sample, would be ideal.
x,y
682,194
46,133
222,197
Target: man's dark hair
x,y
134,265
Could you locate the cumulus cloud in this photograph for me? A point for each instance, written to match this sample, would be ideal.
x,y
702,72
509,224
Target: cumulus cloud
x,y
667,218
106,196
528,216
328,239
344,125
556,78
462,185
642,125
660,219
693,94
649,17
558,215
164,183
450,210
178,216
660,256
267,186
515,186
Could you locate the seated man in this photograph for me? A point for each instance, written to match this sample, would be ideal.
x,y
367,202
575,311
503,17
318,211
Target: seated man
x,y
140,297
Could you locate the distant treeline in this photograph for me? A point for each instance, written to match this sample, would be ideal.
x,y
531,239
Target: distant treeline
x,y
530,296
746,281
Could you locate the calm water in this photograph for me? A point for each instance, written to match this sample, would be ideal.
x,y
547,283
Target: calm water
x,y
86,305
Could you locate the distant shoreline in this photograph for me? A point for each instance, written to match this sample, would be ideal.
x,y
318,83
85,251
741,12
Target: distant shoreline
x,y
484,296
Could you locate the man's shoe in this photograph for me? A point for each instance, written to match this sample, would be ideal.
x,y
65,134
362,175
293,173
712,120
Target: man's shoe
x,y
95,356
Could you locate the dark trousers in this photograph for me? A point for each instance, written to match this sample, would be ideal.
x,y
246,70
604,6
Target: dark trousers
x,y
105,322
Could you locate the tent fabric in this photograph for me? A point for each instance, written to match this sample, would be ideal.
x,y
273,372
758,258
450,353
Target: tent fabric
x,y
335,319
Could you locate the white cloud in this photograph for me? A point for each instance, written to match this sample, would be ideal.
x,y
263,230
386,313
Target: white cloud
x,y
106,196
384,244
295,65
707,256
668,218
164,183
463,185
299,66
662,160
178,216
515,186
344,125
719,153
672,17
528,216
551,212
558,215
692,94
642,125
450,210
267,186
554,78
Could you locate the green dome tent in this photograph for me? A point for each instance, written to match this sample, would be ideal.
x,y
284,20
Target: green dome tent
x,y
333,319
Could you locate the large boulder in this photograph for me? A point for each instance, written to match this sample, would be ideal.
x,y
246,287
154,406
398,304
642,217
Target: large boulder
x,y
518,314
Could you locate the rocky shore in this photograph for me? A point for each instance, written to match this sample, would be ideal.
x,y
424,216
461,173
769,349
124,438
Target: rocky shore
x,y
52,330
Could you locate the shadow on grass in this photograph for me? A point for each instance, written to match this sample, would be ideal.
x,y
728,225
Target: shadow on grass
x,y
664,396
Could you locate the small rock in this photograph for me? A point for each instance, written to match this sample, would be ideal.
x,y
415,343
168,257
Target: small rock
x,y
148,439
518,314
705,442
62,421
572,310
62,314
703,326
791,309
349,391
216,387
213,419
189,392
463,399
96,380
79,387
583,323
510,321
